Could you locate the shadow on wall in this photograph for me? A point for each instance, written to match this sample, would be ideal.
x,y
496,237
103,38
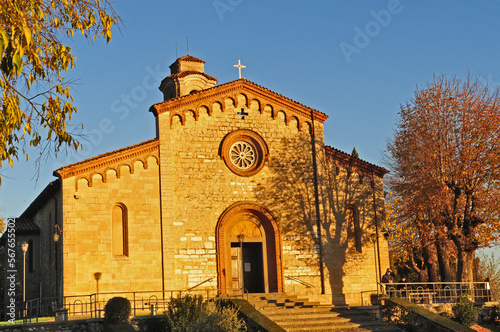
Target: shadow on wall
x,y
346,212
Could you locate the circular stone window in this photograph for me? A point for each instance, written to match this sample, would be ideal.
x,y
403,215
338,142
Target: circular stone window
x,y
244,152
242,155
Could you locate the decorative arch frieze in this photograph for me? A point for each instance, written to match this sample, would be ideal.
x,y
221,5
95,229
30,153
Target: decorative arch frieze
x,y
195,114
242,100
181,118
204,108
255,106
115,160
240,93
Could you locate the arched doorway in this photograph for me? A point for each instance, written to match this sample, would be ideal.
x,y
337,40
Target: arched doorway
x,y
249,249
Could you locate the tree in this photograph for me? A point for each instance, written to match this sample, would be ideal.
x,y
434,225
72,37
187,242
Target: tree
x,y
415,243
488,268
36,100
445,164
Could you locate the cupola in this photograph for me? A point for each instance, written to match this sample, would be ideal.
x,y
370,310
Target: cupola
x,y
187,76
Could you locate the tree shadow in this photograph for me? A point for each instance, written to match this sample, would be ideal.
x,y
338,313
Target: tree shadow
x,y
348,207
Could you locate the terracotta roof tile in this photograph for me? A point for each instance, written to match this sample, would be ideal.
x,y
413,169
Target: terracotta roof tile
x,y
105,155
186,73
190,58
242,81
26,226
23,226
346,159
48,192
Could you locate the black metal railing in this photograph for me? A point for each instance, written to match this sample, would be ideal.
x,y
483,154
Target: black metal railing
x,y
301,282
201,283
142,302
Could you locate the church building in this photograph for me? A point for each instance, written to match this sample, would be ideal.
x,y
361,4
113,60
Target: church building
x,y
236,189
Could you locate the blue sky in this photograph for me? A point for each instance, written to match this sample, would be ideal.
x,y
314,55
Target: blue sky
x,y
356,61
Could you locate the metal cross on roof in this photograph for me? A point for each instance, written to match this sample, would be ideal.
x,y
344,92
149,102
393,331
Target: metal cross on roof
x,y
242,114
239,66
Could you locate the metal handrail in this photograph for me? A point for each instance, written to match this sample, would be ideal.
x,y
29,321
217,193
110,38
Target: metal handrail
x,y
303,283
93,304
438,292
201,283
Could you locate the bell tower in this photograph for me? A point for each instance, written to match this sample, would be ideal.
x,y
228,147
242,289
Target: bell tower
x,y
187,76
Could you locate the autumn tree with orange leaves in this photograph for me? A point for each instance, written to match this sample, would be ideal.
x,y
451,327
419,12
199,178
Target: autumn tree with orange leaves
x,y
445,165
417,244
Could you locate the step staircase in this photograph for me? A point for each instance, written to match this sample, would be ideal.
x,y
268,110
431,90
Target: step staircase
x,y
299,314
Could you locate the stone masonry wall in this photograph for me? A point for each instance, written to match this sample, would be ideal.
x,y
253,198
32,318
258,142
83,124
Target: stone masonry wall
x,y
87,232
203,186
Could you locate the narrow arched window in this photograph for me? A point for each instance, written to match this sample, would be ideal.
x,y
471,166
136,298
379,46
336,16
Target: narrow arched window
x,y
120,230
353,229
31,249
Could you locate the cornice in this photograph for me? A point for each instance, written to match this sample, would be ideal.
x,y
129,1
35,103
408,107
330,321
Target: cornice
x,y
244,86
110,161
190,73
351,163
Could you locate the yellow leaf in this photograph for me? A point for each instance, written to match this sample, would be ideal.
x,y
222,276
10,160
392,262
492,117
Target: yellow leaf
x,y
27,35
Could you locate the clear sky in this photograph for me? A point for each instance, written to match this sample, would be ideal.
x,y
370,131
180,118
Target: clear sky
x,y
356,61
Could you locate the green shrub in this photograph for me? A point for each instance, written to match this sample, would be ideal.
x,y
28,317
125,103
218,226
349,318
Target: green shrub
x,y
491,315
117,310
153,325
220,319
464,311
192,313
184,311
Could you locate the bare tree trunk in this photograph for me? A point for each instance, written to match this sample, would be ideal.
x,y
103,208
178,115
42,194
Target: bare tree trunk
x,y
423,275
465,262
429,253
468,266
444,260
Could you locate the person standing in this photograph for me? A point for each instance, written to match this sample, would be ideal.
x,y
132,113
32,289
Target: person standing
x,y
387,279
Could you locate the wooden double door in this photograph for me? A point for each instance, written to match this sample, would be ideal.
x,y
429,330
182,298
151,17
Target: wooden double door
x,y
247,263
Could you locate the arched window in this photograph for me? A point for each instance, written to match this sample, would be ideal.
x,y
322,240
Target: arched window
x,y
353,229
120,230
30,255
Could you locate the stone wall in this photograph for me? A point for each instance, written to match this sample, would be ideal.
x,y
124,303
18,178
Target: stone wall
x,y
177,187
204,187
47,257
201,187
87,238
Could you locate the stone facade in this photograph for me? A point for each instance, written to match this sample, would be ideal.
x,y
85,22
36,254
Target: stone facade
x,y
235,190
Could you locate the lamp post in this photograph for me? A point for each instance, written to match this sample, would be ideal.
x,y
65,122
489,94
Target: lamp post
x,y
97,277
241,238
374,241
24,247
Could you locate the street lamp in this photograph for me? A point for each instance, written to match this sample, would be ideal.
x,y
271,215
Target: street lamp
x,y
241,237
97,276
57,232
24,247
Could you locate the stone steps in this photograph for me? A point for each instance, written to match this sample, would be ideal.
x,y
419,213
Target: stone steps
x,y
299,314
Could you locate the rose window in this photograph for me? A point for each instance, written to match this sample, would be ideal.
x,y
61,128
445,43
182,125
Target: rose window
x,y
244,152
242,155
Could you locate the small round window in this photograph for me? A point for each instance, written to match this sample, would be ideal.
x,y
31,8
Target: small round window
x,y
242,155
244,152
